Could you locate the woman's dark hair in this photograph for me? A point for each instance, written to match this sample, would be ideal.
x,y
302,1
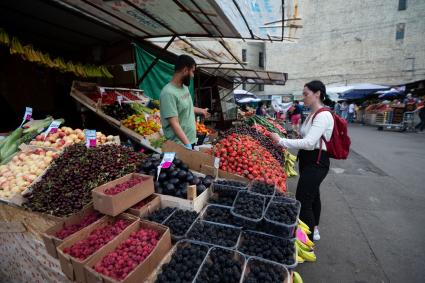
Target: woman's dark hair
x,y
316,86
184,61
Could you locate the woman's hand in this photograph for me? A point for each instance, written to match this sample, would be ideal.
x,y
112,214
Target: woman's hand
x,y
275,137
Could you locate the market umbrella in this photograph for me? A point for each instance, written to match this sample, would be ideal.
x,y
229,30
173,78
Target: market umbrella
x,y
243,96
392,93
363,90
248,100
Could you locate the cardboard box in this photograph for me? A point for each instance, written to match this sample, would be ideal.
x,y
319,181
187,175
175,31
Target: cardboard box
x,y
197,204
208,170
148,208
49,238
115,204
72,267
193,159
144,269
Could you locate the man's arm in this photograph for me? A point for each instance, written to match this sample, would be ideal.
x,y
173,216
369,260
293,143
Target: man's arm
x,y
201,111
175,125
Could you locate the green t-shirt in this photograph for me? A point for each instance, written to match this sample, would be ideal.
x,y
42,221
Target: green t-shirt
x,y
177,102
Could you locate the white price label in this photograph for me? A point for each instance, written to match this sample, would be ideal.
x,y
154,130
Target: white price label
x,y
90,138
27,115
119,99
166,162
102,91
53,128
217,163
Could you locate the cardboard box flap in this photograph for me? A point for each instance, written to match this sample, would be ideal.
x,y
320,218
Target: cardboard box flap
x,y
193,159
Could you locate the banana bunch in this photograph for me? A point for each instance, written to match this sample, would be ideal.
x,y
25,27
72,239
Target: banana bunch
x,y
28,53
297,278
306,255
4,37
305,251
290,164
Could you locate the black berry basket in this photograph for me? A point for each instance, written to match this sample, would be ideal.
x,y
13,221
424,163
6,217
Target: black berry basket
x,y
263,270
216,234
228,188
221,265
179,223
182,263
216,199
248,210
281,217
218,214
268,247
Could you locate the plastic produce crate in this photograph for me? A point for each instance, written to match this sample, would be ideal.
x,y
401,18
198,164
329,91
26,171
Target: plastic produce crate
x,y
208,262
255,190
208,212
180,244
276,268
280,229
201,226
229,190
174,236
221,200
278,242
247,222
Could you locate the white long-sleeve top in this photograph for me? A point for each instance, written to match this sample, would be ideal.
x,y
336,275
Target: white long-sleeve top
x,y
311,132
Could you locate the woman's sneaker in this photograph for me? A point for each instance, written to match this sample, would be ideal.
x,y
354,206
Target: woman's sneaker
x,y
316,235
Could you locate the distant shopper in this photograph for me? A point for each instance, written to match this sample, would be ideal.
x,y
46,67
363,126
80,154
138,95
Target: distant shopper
x,y
296,116
313,166
409,99
261,109
338,108
344,110
351,112
421,125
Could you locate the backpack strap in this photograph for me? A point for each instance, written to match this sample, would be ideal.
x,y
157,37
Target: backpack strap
x,y
322,138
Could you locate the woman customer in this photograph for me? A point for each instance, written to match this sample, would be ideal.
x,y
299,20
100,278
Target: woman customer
x,y
312,170
296,117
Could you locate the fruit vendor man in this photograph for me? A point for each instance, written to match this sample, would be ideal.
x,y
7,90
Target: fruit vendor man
x,y
176,105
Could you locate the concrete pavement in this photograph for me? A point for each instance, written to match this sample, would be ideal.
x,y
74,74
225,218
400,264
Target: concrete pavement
x,y
373,212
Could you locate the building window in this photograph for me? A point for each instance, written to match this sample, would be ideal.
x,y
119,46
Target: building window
x,y
399,34
244,55
260,87
261,60
402,5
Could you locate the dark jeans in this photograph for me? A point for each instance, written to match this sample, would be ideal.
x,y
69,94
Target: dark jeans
x,y
308,189
421,125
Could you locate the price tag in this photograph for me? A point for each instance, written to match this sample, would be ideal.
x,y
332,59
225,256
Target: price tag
x,y
90,138
102,91
27,115
166,162
119,99
53,128
301,236
217,163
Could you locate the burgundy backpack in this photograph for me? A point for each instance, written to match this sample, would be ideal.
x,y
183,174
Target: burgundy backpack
x,y
338,146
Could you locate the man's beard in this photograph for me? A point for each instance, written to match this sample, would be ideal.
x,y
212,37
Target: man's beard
x,y
186,80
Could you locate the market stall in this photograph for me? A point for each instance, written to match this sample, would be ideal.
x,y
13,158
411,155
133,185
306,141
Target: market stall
x,y
177,202
77,205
